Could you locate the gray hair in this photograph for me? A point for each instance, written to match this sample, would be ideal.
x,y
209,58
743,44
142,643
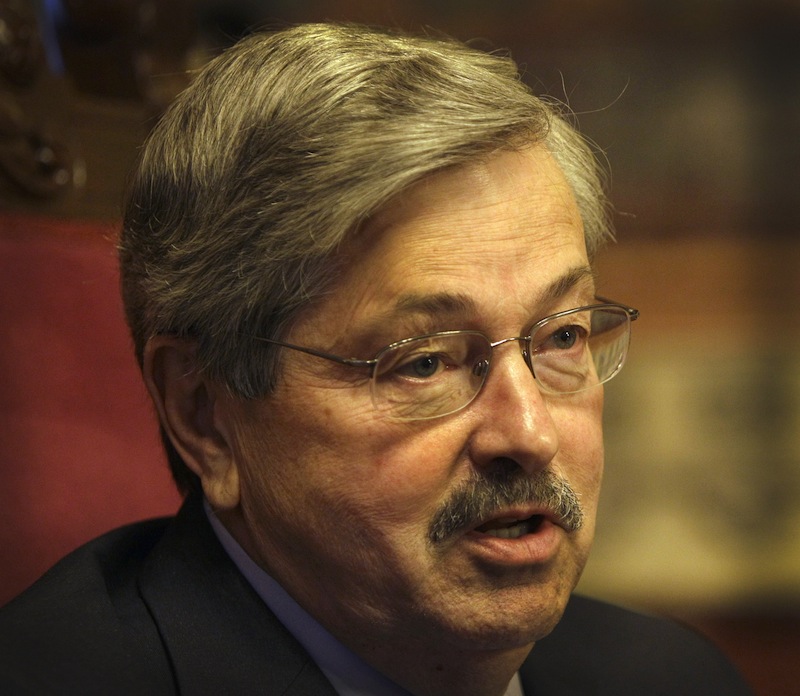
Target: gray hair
x,y
281,148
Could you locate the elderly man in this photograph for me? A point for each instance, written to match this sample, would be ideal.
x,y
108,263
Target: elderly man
x,y
357,270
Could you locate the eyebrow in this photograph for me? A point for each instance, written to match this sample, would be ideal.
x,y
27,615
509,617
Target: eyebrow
x,y
434,305
566,283
438,305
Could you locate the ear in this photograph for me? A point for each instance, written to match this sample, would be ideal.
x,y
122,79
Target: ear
x,y
194,413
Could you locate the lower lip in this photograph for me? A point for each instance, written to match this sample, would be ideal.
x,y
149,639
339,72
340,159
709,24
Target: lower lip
x,y
537,548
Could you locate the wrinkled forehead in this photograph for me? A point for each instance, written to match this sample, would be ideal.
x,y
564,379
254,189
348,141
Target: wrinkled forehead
x,y
509,176
515,206
496,235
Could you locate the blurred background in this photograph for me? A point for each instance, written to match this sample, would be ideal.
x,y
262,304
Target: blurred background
x,y
695,104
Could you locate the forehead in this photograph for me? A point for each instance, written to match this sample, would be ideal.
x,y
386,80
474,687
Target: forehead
x,y
494,236
525,188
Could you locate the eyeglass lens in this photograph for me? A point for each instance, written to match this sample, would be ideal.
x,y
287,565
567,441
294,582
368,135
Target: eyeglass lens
x,y
436,375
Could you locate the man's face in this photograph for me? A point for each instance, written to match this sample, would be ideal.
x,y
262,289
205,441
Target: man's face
x,y
338,500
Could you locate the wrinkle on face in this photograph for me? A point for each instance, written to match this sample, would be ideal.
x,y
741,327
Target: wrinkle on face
x,y
443,213
333,489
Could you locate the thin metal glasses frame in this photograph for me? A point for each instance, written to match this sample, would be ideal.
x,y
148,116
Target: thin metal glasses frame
x,y
602,303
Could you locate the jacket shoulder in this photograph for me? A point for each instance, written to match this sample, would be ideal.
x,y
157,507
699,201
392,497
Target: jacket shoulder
x,y
82,626
154,608
599,648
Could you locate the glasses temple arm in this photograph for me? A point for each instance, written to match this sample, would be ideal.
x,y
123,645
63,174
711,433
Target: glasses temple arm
x,y
632,313
318,353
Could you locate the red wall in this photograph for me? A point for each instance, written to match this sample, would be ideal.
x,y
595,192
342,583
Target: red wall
x,y
79,449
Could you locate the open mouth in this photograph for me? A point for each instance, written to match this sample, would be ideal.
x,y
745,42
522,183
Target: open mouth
x,y
511,528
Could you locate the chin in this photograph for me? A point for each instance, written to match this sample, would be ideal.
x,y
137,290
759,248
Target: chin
x,y
508,620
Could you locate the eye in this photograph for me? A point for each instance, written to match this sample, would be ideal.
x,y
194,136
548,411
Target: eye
x,y
437,359
566,337
421,367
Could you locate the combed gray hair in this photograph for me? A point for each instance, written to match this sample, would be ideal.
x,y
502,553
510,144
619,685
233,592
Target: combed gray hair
x,y
281,148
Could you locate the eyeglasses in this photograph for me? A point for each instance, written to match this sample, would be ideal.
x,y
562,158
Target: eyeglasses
x,y
438,374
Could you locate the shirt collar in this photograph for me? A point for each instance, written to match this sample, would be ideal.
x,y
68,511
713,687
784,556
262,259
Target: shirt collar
x,y
348,673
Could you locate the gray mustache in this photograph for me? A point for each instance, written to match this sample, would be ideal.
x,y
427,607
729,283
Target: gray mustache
x,y
484,495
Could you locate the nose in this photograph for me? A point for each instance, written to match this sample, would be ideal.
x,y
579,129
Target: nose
x,y
512,418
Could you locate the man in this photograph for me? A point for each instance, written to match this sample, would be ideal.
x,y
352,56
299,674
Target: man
x,y
357,270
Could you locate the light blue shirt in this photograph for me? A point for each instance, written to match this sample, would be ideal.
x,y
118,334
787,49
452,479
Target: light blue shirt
x,y
348,673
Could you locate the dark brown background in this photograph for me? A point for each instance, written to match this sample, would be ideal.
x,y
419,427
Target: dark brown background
x,y
695,104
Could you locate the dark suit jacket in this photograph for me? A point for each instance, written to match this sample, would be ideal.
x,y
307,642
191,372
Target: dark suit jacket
x,y
159,608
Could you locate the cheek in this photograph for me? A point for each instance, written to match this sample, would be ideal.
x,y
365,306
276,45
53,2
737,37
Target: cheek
x,y
310,467
396,475
580,423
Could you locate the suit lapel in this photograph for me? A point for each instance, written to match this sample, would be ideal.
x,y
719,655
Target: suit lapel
x,y
557,664
219,635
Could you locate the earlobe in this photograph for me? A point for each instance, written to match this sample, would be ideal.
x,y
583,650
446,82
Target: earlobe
x,y
193,416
